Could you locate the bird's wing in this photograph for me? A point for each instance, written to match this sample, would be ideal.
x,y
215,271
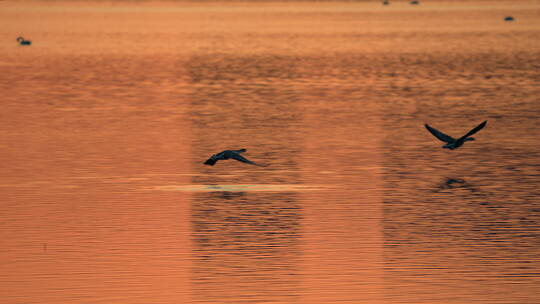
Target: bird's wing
x,y
440,135
245,160
221,155
476,129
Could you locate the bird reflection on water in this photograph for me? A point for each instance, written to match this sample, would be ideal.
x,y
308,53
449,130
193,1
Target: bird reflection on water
x,y
454,183
246,246
451,182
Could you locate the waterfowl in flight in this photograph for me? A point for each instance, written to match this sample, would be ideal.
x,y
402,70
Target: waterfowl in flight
x,y
22,41
227,154
452,143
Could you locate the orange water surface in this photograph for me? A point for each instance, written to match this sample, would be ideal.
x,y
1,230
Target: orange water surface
x,y
107,118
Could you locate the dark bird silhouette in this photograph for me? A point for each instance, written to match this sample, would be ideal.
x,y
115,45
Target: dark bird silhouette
x,y
415,2
452,143
22,41
227,154
509,18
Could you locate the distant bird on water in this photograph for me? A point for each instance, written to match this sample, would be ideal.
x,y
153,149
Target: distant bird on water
x,y
452,143
415,2
22,41
509,18
227,154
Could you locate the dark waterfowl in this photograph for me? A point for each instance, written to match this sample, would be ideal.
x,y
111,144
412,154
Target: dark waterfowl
x,y
227,154
415,2
509,18
22,41
452,143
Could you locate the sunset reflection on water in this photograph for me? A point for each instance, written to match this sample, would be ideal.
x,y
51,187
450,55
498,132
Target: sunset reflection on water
x,y
108,117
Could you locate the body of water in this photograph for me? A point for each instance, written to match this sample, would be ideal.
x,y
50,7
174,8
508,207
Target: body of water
x,y
107,118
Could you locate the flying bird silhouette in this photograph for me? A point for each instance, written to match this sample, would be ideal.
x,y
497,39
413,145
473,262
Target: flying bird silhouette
x,y
227,154
452,143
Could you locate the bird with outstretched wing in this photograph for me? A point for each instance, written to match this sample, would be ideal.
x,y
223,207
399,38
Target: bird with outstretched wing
x,y
452,143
